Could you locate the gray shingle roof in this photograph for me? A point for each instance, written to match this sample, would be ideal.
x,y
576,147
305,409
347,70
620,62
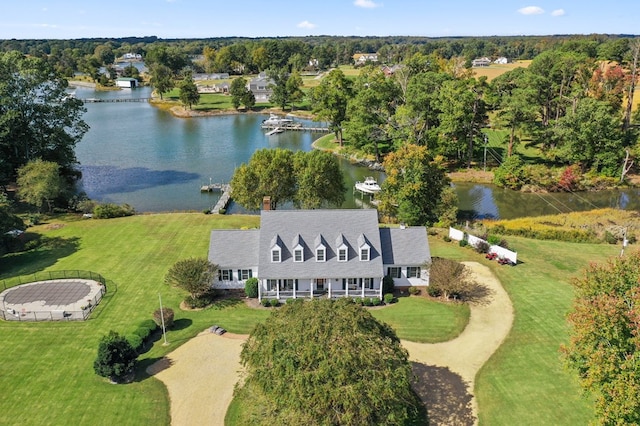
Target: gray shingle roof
x,y
234,248
407,246
310,224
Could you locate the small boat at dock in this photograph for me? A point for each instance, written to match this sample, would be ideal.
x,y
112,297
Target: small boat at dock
x,y
369,186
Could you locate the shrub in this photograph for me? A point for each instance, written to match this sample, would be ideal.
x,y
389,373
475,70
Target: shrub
x,y
368,302
388,298
135,341
206,211
482,247
116,357
168,315
493,239
110,210
358,301
375,301
434,291
265,303
504,244
414,291
447,238
251,288
463,243
222,211
202,301
387,284
274,302
610,238
143,332
510,174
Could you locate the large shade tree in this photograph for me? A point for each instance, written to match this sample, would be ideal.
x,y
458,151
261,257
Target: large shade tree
x,y
414,184
330,98
308,179
38,119
40,182
326,362
605,341
194,275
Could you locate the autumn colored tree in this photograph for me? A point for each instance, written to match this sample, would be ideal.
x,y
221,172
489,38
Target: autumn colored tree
x,y
605,341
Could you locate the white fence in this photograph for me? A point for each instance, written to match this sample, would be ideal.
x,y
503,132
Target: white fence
x,y
502,252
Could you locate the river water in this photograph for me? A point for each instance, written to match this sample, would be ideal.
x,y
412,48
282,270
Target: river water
x,y
137,154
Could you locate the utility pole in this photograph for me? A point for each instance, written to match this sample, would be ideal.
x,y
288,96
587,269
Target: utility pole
x,y
164,332
624,242
485,152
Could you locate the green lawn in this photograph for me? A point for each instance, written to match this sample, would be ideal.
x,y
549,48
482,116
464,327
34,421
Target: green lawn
x,y
46,368
525,381
420,319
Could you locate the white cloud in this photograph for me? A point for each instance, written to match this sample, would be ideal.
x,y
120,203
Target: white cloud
x,y
531,10
367,4
306,24
558,12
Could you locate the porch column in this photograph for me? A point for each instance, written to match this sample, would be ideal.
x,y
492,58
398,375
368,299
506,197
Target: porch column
x,y
362,285
259,290
311,281
295,285
278,290
381,289
346,288
329,288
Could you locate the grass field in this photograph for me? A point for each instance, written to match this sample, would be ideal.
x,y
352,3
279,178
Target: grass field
x,y
495,70
525,381
46,368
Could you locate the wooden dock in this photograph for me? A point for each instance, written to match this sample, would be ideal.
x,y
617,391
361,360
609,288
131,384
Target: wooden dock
x,y
224,198
96,100
295,126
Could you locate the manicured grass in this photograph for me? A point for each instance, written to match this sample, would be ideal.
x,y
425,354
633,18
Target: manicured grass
x,y
46,368
525,381
420,319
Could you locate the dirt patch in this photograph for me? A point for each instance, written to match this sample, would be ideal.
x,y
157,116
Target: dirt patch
x,y
201,374
54,226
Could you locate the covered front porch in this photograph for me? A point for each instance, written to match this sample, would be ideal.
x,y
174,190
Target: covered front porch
x,y
332,288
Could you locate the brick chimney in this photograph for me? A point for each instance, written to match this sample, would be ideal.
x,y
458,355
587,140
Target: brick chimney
x,y
266,203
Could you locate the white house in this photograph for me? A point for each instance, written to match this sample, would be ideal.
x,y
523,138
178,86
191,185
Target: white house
x,y
320,253
126,83
260,87
481,62
363,58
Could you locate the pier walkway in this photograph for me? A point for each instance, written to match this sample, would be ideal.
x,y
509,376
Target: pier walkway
x,y
295,126
222,203
96,100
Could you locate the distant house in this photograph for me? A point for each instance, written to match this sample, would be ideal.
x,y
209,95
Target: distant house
x,y
132,57
481,62
391,70
126,82
362,58
320,253
259,86
501,60
212,76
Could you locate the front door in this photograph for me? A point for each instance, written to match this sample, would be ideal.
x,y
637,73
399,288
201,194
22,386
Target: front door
x,y
321,284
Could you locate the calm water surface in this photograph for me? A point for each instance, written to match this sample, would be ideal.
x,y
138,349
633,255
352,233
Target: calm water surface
x,y
137,154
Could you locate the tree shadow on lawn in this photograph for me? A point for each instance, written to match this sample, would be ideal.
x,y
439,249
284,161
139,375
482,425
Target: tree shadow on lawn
x,y
445,395
149,367
47,251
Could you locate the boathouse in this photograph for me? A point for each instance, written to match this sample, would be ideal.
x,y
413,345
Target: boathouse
x,y
126,82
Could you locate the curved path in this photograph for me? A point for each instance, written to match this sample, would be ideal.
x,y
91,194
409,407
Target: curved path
x,y
489,325
200,375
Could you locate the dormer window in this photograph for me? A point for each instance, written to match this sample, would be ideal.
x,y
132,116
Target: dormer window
x,y
276,250
276,255
341,244
342,254
364,253
364,247
298,249
321,249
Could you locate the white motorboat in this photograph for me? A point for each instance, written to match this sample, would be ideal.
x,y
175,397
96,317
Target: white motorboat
x,y
369,186
275,120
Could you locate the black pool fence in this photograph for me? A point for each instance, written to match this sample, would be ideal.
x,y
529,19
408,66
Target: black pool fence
x,y
53,315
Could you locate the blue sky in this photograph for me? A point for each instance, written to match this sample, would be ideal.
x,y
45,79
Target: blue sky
x,y
264,18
